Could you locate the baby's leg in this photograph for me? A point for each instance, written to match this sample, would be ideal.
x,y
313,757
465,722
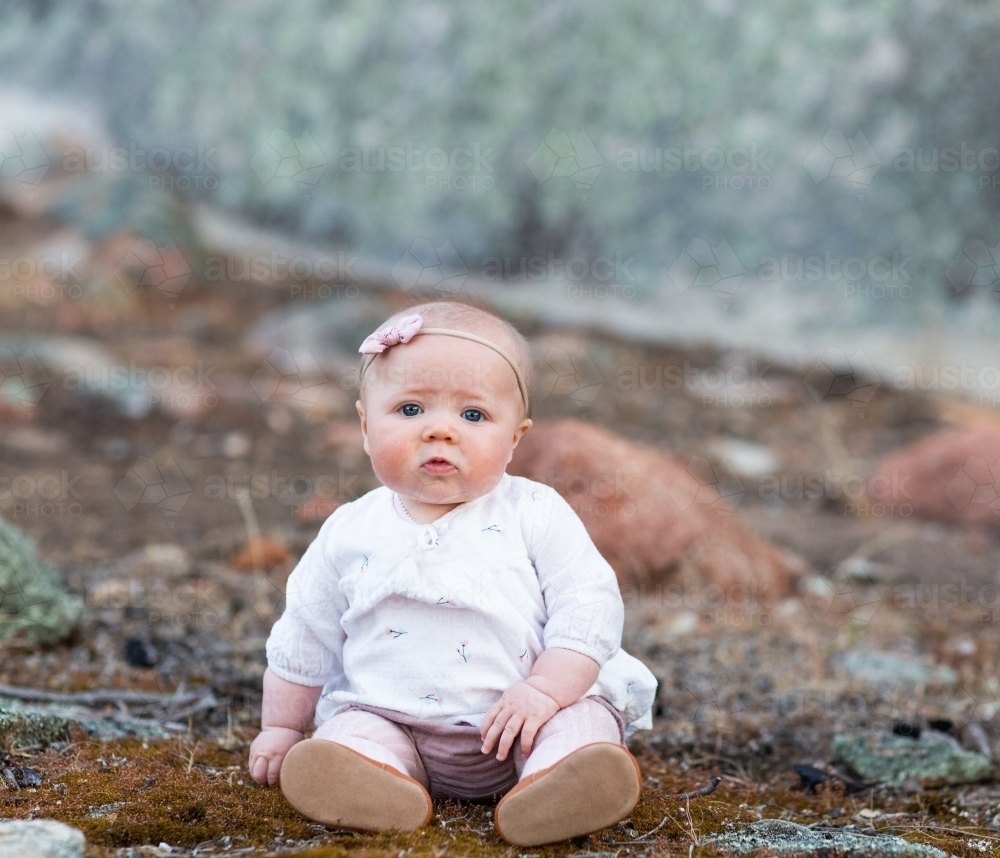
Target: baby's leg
x,y
376,738
578,778
582,723
358,771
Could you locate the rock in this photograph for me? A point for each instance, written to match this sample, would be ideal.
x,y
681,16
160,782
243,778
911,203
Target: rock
x,y
932,759
43,723
34,441
886,668
748,460
262,553
35,605
40,838
32,728
781,837
953,475
155,563
648,513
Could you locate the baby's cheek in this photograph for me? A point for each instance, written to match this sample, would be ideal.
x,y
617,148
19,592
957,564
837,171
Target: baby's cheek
x,y
391,458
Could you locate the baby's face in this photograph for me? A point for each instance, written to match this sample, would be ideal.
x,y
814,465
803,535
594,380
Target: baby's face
x,y
440,417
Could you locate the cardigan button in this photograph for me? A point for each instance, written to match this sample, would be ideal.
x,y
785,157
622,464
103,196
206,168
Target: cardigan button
x,y
428,538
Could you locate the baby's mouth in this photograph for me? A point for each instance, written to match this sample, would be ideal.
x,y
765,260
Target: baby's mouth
x,y
438,466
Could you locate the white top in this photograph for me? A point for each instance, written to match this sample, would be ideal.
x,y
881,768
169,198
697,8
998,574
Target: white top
x,y
438,620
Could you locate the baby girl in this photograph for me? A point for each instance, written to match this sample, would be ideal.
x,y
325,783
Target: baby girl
x,y
452,613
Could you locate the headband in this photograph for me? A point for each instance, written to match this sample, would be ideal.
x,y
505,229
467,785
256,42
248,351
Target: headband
x,y
410,326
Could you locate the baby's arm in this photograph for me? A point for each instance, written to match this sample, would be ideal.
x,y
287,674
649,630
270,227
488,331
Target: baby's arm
x,y
558,679
286,712
564,675
303,653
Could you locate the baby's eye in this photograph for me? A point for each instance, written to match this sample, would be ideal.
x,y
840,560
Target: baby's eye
x,y
410,409
472,415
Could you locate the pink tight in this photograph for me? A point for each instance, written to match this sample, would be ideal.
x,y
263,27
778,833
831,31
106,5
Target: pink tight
x,y
378,738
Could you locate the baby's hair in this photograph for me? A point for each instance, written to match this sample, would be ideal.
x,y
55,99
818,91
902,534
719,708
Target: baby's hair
x,y
473,320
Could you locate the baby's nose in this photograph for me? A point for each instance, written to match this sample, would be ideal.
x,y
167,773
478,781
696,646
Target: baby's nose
x,y
440,427
440,430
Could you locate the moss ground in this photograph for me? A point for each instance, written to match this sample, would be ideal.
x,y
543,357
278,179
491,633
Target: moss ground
x,y
196,796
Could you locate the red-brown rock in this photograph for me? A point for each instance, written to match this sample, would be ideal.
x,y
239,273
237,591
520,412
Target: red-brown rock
x,y
952,475
651,515
262,553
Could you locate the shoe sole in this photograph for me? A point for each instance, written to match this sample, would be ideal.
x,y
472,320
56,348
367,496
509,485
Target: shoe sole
x,y
334,785
592,788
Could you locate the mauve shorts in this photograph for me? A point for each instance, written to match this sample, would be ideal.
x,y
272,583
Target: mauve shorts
x,y
453,759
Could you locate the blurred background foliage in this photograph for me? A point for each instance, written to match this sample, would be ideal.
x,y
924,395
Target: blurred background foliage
x,y
339,81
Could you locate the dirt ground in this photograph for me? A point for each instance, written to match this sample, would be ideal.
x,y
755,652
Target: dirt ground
x,y
746,693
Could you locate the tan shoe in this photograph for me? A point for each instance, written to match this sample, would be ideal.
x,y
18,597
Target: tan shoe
x,y
334,785
592,788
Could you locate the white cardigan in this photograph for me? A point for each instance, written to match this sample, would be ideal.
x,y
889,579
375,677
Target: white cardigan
x,y
438,620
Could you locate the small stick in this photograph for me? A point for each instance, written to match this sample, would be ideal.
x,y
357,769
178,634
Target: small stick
x,y
97,696
252,528
708,789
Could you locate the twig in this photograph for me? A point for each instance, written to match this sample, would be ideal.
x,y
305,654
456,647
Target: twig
x,y
649,833
97,696
708,789
253,529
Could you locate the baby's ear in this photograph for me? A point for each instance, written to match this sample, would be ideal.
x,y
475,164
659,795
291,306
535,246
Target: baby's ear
x,y
364,424
522,427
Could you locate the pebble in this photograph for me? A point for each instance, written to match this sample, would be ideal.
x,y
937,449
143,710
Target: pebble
x,y
40,838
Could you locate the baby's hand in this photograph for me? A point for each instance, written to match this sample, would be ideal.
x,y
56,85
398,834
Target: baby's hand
x,y
522,709
267,752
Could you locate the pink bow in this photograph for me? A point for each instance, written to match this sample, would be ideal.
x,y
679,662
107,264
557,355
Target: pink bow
x,y
402,332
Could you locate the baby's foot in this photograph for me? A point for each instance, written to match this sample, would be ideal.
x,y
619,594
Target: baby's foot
x,y
334,785
592,788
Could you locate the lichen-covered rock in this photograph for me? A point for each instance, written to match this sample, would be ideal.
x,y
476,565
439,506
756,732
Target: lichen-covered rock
x,y
32,728
780,837
34,604
40,838
889,668
932,759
